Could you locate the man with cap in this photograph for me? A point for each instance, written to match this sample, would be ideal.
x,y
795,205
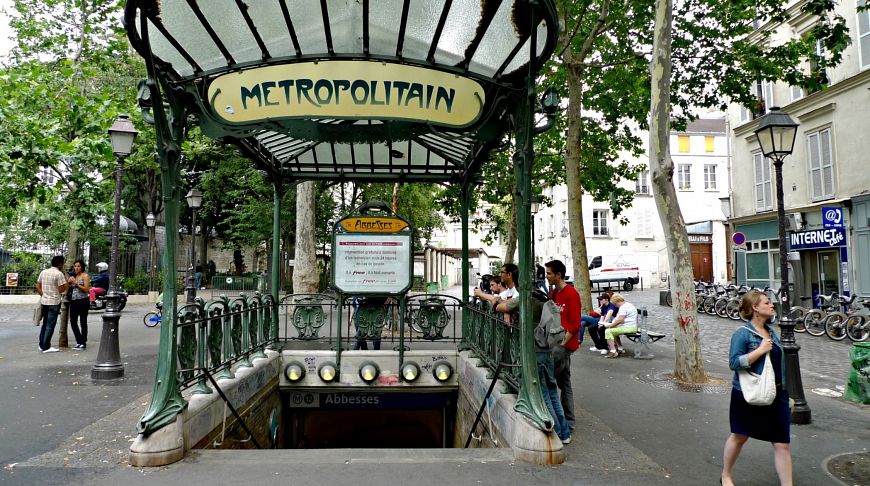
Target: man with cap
x,y
605,312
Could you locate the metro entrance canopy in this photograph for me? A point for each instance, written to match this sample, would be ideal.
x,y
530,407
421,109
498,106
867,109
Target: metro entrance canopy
x,y
344,90
326,89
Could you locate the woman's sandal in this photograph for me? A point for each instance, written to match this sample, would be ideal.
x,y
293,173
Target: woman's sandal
x,y
612,354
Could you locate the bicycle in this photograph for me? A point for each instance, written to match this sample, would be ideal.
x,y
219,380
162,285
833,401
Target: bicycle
x,y
814,321
152,318
835,322
858,323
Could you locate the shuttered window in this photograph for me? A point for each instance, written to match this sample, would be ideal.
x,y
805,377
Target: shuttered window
x,y
763,186
821,161
683,144
864,35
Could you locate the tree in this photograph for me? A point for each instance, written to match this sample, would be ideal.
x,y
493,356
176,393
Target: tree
x,y
67,78
688,364
715,52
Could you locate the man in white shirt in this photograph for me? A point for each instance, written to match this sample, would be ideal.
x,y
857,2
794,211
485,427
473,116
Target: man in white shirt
x,y
509,273
51,285
625,322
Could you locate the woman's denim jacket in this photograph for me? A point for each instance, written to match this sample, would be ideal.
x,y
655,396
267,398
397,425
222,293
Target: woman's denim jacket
x,y
744,341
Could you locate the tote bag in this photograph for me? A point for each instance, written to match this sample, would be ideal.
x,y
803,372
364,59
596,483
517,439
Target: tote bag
x,y
758,389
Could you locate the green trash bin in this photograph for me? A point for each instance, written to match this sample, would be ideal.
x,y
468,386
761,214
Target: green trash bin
x,y
858,386
432,287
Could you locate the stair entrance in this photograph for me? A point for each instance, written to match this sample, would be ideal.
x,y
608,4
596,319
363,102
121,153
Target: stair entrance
x,y
368,419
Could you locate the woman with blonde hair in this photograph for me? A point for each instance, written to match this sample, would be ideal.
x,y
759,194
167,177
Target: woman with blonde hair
x,y
750,346
625,322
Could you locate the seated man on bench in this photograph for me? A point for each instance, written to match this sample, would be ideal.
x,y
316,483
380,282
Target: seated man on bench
x,y
625,322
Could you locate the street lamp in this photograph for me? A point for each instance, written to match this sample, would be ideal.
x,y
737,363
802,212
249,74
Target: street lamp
x,y
194,200
109,365
776,134
150,222
534,207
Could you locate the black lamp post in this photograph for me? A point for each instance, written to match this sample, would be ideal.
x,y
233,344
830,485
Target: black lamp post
x,y
194,200
776,134
109,365
151,221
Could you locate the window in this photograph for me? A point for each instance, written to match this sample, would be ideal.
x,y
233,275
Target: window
x,y
599,222
796,93
710,177
821,164
764,95
818,72
683,144
540,228
709,144
864,35
684,177
47,176
641,185
644,223
552,227
745,113
763,186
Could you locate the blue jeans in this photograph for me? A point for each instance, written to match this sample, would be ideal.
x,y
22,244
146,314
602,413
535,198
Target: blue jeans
x,y
49,320
547,381
597,335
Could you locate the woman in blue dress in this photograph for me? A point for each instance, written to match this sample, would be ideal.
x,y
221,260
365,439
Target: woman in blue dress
x,y
750,346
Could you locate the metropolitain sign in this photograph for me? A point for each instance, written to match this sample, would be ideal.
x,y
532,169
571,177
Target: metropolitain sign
x,y
346,89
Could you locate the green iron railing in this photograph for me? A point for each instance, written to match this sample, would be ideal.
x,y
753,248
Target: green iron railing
x,y
320,317
494,341
221,333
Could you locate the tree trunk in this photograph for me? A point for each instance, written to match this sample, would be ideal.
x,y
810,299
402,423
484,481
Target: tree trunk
x,y
511,243
202,253
574,182
305,275
688,365
238,261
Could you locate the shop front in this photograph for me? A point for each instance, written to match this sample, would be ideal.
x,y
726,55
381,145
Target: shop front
x,y
824,261
756,262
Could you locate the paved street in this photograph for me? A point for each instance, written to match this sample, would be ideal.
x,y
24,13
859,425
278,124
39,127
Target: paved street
x,y
634,426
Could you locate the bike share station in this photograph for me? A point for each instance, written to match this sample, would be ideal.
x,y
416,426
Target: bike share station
x,y
348,91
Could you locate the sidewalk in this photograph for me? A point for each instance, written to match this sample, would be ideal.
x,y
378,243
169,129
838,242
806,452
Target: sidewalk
x,y
633,425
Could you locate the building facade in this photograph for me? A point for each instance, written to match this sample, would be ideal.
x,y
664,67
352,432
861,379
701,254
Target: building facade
x,y
826,191
701,163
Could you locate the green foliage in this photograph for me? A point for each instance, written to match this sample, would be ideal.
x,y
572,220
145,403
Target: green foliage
x,y
138,283
26,265
69,76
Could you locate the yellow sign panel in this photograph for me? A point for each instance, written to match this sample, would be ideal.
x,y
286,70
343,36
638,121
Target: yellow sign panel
x,y
373,225
346,89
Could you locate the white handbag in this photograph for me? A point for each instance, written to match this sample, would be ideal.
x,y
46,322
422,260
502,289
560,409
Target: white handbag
x,y
758,389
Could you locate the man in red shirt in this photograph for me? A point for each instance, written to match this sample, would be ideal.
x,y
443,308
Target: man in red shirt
x,y
568,300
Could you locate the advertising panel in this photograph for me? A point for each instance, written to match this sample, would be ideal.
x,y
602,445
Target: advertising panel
x,y
372,263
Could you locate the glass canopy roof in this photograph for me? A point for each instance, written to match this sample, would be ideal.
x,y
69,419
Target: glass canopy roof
x,y
357,89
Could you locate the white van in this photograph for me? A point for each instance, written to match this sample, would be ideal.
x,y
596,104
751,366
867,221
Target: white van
x,y
622,269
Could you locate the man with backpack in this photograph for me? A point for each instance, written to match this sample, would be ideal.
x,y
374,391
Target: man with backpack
x,y
548,334
567,300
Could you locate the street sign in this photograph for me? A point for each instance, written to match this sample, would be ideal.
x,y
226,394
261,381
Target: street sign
x,y
832,217
738,238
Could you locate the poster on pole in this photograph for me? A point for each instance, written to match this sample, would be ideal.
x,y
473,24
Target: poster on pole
x,y
373,262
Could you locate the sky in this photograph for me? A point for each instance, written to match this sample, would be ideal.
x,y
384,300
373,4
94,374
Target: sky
x,y
5,32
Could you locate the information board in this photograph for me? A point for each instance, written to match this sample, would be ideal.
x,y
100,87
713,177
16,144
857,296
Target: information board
x,y
372,263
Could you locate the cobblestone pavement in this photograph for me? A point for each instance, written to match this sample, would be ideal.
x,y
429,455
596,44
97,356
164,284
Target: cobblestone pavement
x,y
824,362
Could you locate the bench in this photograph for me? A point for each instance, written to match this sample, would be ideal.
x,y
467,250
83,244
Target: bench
x,y
636,337
644,337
